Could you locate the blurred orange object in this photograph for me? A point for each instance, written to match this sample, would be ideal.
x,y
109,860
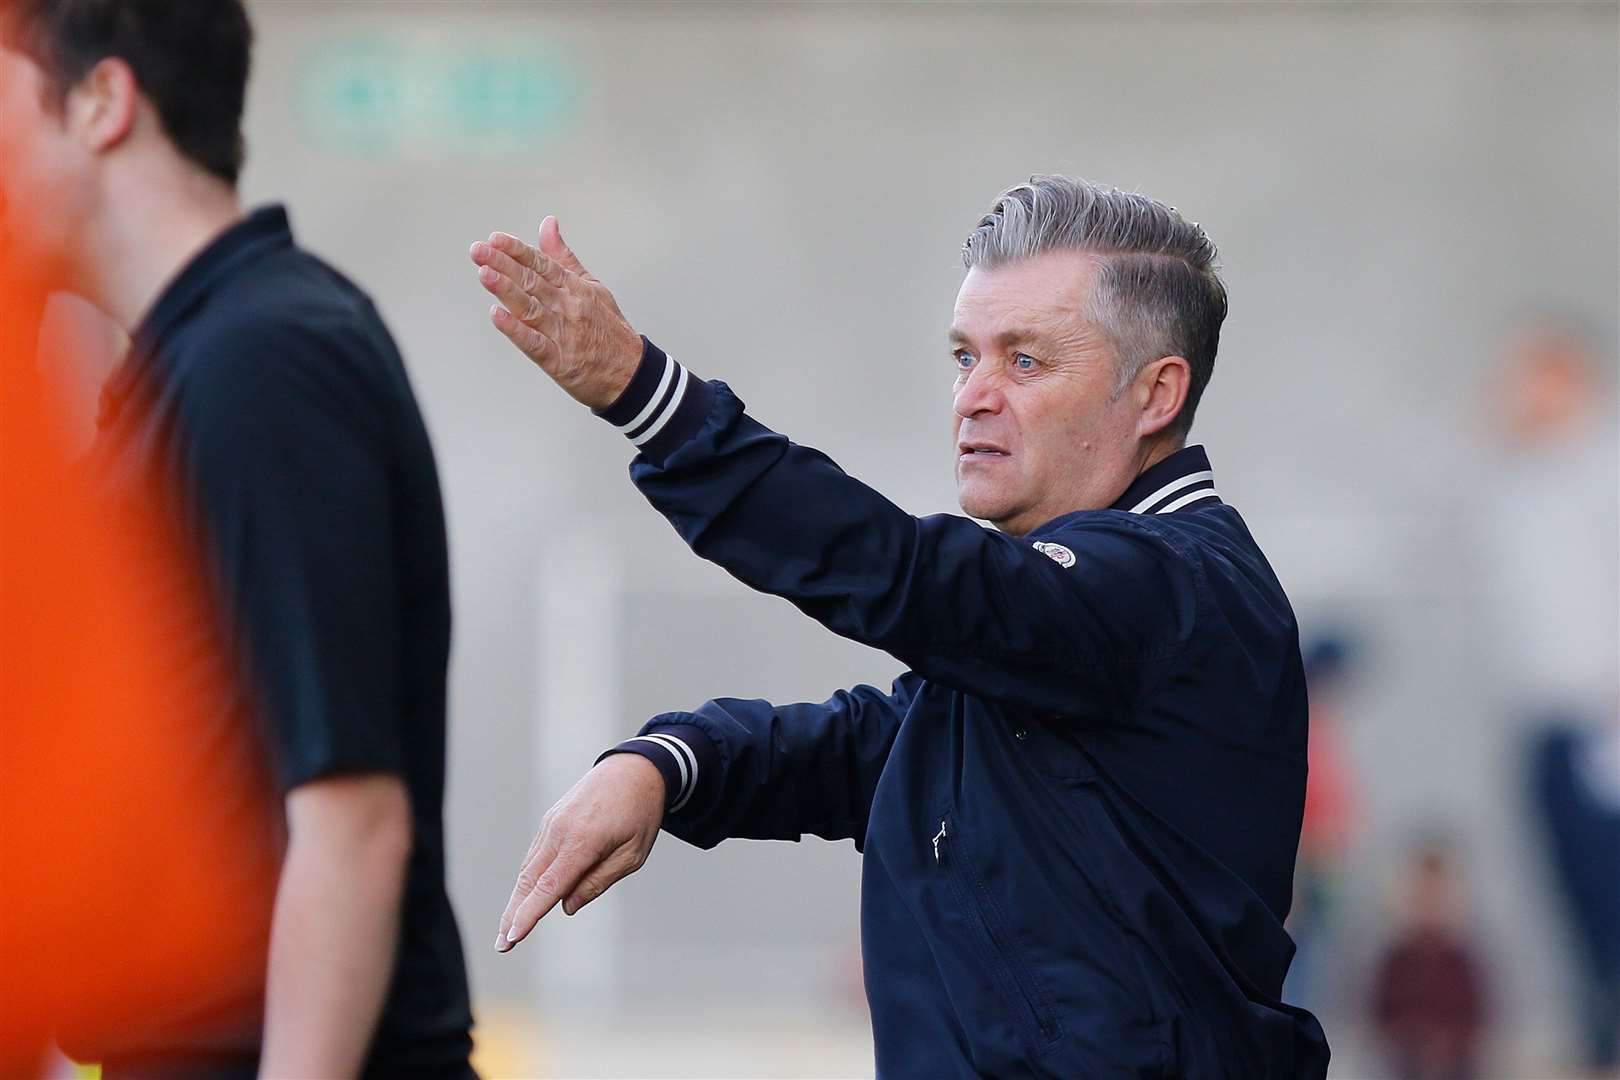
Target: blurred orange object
x,y
138,848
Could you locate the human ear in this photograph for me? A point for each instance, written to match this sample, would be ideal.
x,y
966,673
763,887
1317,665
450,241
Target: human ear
x,y
101,108
1162,390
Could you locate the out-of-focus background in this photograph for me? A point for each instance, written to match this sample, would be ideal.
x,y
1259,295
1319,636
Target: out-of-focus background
x,y
1413,407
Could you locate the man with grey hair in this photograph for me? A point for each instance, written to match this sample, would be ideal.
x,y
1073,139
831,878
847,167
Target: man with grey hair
x,y
1080,805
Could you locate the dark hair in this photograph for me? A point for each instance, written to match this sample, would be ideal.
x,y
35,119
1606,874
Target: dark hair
x,y
1157,293
190,58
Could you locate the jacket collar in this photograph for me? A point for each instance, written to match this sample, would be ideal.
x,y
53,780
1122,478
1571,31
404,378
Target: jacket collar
x,y
1179,481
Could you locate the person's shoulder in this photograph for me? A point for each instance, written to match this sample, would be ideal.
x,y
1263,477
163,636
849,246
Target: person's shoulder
x,y
293,324
1212,530
1112,552
1209,545
293,294
1216,541
283,366
1140,536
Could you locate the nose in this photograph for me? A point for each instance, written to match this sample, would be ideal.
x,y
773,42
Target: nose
x,y
980,392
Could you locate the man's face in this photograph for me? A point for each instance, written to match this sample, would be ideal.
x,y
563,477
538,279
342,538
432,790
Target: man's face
x,y
45,174
1039,432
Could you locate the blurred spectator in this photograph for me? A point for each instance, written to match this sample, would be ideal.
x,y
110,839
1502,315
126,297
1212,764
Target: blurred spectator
x,y
1328,829
1577,790
1429,997
1553,524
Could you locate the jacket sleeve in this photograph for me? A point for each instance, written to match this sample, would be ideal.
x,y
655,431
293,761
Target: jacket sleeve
x,y
1105,596
757,771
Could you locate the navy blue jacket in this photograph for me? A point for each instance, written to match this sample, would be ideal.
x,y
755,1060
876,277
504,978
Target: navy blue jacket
x,y
1079,808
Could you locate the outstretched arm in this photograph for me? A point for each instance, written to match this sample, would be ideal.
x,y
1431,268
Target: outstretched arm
x,y
753,770
731,768
1102,599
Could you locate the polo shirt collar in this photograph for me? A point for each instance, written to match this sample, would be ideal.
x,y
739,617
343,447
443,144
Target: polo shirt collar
x,y
1180,480
264,229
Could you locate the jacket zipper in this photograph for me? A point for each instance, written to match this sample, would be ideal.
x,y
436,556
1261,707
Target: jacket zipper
x,y
1044,1023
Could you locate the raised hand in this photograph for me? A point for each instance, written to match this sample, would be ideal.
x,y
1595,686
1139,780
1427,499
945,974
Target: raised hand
x,y
558,314
602,830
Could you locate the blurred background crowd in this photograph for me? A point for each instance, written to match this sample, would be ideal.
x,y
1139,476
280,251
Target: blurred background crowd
x,y
1414,408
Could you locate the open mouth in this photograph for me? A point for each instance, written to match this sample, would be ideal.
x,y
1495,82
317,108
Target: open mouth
x,y
980,451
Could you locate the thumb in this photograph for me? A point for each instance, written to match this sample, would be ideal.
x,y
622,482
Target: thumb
x,y
555,249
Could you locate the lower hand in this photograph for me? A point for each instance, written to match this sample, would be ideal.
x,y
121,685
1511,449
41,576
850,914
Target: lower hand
x,y
602,830
558,314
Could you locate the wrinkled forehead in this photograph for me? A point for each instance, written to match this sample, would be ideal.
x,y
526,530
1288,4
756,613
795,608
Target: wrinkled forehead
x,y
1048,294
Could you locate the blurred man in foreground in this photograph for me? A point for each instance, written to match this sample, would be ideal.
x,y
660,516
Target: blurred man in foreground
x,y
124,838
1081,805
268,388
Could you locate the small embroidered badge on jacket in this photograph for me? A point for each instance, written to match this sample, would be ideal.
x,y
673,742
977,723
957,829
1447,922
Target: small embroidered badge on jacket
x,y
1056,552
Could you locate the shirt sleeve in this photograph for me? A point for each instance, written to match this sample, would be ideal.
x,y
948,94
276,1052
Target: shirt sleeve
x,y
753,770
1094,603
285,438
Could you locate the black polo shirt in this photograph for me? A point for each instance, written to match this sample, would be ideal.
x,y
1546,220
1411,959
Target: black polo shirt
x,y
268,387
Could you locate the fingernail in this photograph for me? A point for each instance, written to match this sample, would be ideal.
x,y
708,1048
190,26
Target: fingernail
x,y
501,944
512,934
486,274
480,250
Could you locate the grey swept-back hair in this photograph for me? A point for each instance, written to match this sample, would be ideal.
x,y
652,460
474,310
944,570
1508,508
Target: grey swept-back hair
x,y
1157,292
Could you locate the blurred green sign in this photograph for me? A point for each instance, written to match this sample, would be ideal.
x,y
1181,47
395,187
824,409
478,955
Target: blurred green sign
x,y
369,97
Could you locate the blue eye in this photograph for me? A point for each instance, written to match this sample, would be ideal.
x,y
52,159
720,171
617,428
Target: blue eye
x,y
964,359
1024,362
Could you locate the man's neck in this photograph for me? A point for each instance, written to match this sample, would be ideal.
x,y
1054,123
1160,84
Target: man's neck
x,y
1143,458
147,236
1151,454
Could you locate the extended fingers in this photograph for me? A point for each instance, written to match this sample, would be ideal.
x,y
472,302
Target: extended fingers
x,y
533,258
520,290
503,265
533,343
558,880
542,852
